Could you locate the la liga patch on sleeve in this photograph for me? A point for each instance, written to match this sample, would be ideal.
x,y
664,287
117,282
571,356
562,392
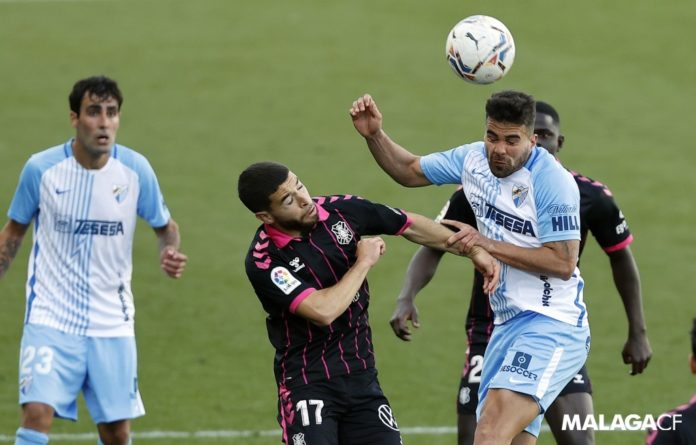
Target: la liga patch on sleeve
x,y
285,281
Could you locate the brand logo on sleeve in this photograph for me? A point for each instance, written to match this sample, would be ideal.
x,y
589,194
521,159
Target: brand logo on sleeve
x,y
284,280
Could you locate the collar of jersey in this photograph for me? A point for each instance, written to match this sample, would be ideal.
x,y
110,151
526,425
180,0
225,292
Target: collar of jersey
x,y
282,239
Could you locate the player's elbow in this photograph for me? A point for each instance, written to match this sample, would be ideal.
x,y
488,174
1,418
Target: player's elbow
x,y
566,270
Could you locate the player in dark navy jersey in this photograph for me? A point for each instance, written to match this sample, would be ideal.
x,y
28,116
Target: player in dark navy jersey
x,y
678,427
599,215
307,264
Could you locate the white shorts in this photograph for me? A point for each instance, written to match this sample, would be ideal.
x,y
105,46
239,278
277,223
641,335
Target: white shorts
x,y
55,366
535,355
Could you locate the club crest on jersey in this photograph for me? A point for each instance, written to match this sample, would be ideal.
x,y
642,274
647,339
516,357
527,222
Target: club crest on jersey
x,y
342,232
119,192
519,194
284,280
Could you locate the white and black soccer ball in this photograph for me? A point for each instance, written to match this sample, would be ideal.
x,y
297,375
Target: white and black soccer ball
x,y
480,49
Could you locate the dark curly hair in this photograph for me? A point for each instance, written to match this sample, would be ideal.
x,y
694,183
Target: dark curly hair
x,y
99,86
513,107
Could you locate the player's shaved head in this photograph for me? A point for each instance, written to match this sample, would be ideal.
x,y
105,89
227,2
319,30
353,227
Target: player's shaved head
x,y
258,182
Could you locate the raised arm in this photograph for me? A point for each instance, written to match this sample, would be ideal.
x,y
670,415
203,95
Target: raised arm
x,y
557,258
399,163
323,306
11,238
636,350
172,261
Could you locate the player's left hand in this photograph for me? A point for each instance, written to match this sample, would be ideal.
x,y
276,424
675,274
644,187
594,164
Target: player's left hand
x,y
637,352
405,310
489,267
173,262
466,238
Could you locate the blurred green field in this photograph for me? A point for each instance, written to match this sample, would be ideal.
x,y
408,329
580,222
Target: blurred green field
x,y
213,85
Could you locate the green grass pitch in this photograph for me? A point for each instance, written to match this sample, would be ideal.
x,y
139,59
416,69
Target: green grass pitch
x,y
213,85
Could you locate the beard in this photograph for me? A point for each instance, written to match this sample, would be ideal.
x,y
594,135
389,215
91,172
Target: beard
x,y
303,226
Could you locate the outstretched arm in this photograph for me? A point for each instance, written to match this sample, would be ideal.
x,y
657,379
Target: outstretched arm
x,y
420,271
172,261
636,350
557,258
399,163
426,232
11,238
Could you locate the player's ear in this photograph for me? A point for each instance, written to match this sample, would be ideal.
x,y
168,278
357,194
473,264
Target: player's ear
x,y
264,217
693,364
73,119
561,140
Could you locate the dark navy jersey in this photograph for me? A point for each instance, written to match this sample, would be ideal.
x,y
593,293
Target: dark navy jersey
x,y
284,271
677,427
599,215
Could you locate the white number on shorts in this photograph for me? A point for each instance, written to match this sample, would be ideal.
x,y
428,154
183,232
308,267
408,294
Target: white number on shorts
x,y
45,355
304,412
475,372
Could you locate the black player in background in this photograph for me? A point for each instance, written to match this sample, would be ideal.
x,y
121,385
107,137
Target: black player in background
x,y
600,215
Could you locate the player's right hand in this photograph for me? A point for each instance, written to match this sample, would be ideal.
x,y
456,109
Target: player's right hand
x,y
366,116
489,267
405,310
370,249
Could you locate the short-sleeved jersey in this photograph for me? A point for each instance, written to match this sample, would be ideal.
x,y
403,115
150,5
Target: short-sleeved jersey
x,y
677,427
284,271
79,275
599,214
536,204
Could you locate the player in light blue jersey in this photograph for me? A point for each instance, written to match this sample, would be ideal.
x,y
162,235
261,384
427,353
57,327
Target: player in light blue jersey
x,y
527,210
83,197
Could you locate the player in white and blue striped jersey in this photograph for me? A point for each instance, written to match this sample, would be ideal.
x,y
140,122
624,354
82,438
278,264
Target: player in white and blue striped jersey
x,y
83,197
527,212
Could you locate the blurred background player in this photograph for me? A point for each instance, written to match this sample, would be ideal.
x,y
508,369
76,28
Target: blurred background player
x,y
308,264
678,427
599,215
83,197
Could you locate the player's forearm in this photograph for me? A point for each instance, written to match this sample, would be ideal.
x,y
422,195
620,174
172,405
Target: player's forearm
x,y
169,236
421,269
10,241
627,282
395,160
428,233
322,307
559,261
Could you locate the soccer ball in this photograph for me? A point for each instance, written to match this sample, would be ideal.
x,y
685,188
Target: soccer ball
x,y
480,49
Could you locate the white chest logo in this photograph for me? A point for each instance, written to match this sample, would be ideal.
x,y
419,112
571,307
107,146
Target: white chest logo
x,y
120,192
342,232
519,194
298,439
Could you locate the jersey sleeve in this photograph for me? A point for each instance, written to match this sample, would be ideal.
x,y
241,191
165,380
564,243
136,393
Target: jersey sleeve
x,y
607,223
25,202
151,205
558,204
369,218
277,288
445,167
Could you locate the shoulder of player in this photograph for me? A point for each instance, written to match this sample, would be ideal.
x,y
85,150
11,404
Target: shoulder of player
x,y
47,158
261,252
337,202
590,187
